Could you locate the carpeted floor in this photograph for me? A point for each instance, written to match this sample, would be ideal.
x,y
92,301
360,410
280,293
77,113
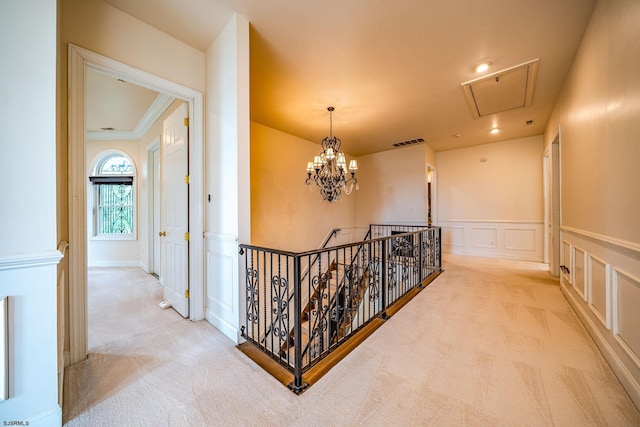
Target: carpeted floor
x,y
489,343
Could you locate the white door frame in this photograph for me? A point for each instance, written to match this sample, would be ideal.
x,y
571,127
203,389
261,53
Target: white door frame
x,y
153,149
552,178
79,60
434,192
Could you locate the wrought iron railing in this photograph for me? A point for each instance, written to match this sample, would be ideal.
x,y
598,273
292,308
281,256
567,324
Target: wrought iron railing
x,y
299,317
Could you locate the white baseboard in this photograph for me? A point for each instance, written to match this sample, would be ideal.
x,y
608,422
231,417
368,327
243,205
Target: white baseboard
x,y
144,267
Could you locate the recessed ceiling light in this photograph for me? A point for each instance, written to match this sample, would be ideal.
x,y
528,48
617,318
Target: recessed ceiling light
x,y
482,66
494,130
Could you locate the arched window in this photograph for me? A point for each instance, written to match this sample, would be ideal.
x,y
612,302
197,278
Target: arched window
x,y
114,197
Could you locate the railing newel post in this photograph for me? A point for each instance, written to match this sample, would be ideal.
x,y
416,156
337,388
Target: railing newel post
x,y
420,261
297,386
384,279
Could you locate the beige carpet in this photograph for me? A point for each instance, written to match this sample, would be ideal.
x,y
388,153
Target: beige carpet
x,y
488,343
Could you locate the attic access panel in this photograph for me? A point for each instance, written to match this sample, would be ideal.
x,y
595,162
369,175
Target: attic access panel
x,y
502,91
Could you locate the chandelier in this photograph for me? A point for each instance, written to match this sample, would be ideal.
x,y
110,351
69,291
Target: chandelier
x,y
328,171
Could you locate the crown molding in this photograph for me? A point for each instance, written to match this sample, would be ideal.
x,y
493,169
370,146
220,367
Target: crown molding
x,y
156,109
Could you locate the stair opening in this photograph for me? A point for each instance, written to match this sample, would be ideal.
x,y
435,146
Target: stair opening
x,y
305,311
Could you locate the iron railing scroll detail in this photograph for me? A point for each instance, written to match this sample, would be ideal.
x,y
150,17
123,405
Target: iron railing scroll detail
x,y
302,306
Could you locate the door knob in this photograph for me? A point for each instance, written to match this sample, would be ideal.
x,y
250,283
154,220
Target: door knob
x,y
162,233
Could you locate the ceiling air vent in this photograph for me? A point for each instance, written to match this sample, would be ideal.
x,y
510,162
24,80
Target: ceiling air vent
x,y
502,91
409,142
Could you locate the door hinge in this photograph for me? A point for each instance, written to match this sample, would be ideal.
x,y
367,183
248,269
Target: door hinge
x,y
186,121
186,179
186,236
186,293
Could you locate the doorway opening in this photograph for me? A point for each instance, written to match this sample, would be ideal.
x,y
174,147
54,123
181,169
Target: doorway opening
x,y
552,205
432,194
79,61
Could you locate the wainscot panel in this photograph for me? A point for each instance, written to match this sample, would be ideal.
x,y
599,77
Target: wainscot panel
x,y
607,271
579,281
518,240
599,286
566,262
222,301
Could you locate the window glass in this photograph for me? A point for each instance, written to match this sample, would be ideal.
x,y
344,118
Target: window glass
x,y
114,196
116,165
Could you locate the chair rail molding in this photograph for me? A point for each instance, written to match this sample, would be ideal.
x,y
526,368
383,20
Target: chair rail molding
x,y
30,260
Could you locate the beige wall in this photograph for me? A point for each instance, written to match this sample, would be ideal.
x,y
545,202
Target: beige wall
x,y
155,131
113,252
507,186
430,155
598,113
392,187
125,252
285,213
490,199
101,28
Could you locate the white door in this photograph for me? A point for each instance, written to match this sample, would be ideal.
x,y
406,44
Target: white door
x,y
174,211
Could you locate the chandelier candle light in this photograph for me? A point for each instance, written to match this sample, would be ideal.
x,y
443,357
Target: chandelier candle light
x,y
329,170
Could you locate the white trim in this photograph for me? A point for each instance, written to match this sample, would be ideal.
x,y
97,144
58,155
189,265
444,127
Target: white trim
x,y
222,250
622,372
584,291
4,348
620,243
434,193
564,262
93,196
79,59
624,362
152,147
606,319
616,318
221,237
30,260
492,221
77,277
156,109
494,239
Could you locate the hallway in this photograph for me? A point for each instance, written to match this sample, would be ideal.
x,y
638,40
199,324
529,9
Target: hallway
x,y
489,342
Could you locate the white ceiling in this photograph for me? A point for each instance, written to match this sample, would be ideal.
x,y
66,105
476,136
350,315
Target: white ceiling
x,y
392,69
114,103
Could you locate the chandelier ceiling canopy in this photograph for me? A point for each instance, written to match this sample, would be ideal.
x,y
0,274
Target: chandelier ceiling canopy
x,y
328,170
